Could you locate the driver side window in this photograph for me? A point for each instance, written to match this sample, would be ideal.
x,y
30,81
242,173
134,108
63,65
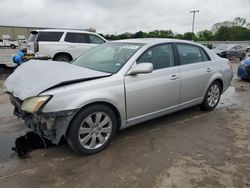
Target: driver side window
x,y
161,56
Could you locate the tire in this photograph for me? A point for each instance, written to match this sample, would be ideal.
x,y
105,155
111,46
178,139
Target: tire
x,y
63,57
12,46
89,134
212,96
245,79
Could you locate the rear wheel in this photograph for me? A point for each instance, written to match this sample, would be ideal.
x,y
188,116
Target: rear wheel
x,y
63,57
212,97
12,46
92,129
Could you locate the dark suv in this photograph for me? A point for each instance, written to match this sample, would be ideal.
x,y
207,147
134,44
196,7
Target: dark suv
x,y
231,51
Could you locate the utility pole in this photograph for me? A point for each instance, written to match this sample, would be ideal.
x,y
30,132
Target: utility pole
x,y
194,12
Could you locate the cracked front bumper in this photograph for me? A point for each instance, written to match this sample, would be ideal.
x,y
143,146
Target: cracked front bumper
x,y
52,126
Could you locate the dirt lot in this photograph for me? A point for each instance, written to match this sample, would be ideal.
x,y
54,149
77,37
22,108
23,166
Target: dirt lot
x,y
190,148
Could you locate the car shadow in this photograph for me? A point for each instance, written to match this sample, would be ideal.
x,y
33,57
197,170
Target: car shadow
x,y
163,121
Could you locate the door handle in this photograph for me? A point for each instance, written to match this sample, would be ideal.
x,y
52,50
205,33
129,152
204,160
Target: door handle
x,y
209,70
72,46
174,77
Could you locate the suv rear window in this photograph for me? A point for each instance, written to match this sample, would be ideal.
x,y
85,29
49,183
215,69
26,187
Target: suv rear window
x,y
49,36
95,39
32,37
77,38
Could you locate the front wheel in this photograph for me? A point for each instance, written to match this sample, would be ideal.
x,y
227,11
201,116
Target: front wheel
x,y
92,129
212,96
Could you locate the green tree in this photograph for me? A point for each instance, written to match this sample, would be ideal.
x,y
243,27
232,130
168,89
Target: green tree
x,y
189,36
205,35
166,34
178,36
222,34
232,33
138,34
217,26
238,21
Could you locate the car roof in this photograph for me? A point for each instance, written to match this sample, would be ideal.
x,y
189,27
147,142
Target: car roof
x,y
153,41
63,30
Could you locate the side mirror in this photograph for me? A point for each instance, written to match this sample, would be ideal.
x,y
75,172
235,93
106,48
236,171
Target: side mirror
x,y
141,68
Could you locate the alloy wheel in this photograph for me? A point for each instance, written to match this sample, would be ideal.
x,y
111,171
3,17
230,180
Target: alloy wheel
x,y
213,95
95,130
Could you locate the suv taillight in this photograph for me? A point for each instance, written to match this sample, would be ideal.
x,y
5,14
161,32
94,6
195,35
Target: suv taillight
x,y
36,46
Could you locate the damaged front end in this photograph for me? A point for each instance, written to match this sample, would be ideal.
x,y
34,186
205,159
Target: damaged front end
x,y
52,126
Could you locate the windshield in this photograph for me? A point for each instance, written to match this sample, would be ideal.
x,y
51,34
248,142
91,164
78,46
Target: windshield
x,y
108,57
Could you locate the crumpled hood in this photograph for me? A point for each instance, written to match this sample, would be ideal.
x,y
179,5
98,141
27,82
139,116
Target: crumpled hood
x,y
36,76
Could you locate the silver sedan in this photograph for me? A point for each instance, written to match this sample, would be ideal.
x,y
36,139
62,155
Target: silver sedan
x,y
114,86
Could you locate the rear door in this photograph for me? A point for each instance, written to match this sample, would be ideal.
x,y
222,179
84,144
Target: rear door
x,y
77,43
196,70
30,42
48,42
153,93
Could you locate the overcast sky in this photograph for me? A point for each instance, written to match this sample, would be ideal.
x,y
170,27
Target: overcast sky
x,y
118,16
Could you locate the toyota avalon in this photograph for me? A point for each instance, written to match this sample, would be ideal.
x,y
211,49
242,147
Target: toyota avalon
x,y
114,86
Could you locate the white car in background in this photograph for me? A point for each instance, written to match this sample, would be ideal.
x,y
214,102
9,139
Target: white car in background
x,y
62,45
8,43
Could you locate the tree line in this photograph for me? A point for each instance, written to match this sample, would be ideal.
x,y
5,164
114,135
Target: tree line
x,y
236,30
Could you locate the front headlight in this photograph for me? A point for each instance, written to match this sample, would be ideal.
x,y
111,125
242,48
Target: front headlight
x,y
34,104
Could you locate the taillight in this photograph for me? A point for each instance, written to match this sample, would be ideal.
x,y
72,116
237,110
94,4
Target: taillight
x,y
36,46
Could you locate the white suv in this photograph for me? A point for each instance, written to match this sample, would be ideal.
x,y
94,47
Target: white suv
x,y
62,45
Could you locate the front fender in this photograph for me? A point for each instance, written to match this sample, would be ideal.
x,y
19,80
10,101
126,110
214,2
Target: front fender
x,y
77,96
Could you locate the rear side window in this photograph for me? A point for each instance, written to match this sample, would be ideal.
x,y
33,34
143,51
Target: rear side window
x,y
32,37
95,39
189,54
49,36
205,57
77,38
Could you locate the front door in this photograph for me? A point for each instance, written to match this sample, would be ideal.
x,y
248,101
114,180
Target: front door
x,y
148,94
